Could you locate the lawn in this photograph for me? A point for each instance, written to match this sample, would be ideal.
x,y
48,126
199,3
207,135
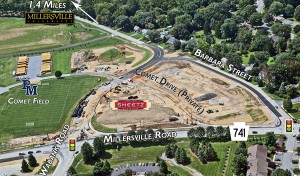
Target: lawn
x,y
17,36
61,59
147,55
270,61
272,96
32,119
7,66
113,54
295,111
126,155
211,168
176,169
100,127
245,58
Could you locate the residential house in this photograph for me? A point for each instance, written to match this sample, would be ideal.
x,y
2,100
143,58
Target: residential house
x,y
144,31
259,164
136,29
279,145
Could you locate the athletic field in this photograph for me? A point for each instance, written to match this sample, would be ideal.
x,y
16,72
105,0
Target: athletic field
x,y
30,119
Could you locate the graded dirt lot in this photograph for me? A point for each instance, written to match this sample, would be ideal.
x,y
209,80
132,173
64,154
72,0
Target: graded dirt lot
x,y
95,61
223,100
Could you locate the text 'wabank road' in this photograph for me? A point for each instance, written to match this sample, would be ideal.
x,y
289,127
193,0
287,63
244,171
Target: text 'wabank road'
x,y
49,18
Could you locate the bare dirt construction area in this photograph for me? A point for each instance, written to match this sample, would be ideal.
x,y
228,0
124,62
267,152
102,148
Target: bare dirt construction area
x,y
223,100
114,58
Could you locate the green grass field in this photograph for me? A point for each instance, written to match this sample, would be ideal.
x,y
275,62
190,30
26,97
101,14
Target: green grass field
x,y
245,58
100,127
7,66
113,54
294,112
17,36
147,55
63,95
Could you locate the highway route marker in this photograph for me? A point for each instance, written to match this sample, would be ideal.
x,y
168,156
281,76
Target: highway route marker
x,y
239,131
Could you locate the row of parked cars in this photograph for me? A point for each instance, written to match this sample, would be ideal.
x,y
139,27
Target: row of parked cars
x,y
29,152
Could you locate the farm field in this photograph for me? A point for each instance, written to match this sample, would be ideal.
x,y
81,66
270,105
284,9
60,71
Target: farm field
x,y
63,94
40,36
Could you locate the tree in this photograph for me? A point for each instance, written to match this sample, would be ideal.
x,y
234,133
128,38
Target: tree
x,y
99,147
281,30
180,32
276,8
128,172
261,57
219,131
169,152
123,22
288,11
297,13
287,104
177,44
87,152
239,164
32,161
206,28
256,19
229,29
200,132
191,133
154,36
261,43
268,18
71,171
244,38
210,131
191,45
25,167
268,3
297,28
97,171
101,169
270,139
281,172
218,33
58,74
163,167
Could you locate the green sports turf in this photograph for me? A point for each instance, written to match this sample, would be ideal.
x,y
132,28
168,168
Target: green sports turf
x,y
63,95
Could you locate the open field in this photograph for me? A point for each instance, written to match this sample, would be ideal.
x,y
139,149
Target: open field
x,y
15,36
63,94
7,66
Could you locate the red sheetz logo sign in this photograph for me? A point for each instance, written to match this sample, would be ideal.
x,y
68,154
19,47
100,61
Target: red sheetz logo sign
x,y
130,104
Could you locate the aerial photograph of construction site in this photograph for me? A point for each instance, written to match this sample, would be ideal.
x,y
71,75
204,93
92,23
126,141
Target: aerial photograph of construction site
x,y
223,100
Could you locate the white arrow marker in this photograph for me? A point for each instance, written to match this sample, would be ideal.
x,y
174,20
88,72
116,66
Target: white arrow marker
x,y
77,6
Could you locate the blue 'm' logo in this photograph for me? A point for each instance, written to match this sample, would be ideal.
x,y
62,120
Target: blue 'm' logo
x,y
30,89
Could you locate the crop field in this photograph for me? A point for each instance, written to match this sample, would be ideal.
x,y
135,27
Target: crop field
x,y
31,119
15,36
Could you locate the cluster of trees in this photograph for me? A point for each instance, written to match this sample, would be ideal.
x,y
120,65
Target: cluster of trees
x,y
240,160
281,172
173,151
91,154
210,133
31,162
204,151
